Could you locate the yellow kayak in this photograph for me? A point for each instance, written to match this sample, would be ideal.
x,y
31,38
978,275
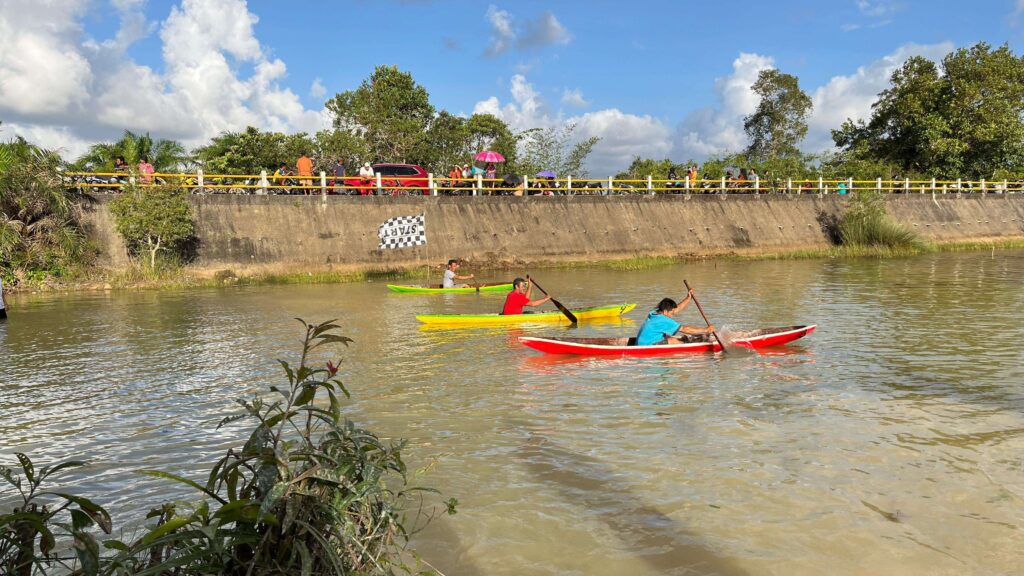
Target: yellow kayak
x,y
554,316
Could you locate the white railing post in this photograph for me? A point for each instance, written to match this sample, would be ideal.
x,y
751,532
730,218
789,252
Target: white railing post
x,y
479,191
906,185
1006,187
200,180
757,184
568,184
650,185
323,185
686,184
878,184
611,185
380,189
263,182
789,185
933,186
723,184
526,185
959,185
430,184
982,185
821,185
849,185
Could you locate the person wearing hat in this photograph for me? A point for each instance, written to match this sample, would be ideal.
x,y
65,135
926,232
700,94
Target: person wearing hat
x,y
365,177
520,297
466,172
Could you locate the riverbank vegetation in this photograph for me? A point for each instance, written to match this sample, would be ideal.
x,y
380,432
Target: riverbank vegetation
x,y
309,492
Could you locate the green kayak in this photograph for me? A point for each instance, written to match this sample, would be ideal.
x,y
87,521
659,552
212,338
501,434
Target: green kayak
x,y
438,289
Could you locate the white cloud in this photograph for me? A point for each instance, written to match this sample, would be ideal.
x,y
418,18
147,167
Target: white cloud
x,y
623,135
717,129
317,90
64,89
502,35
877,8
851,96
574,98
542,31
1016,15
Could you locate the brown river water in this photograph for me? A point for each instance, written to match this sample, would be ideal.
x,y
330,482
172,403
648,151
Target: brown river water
x,y
889,441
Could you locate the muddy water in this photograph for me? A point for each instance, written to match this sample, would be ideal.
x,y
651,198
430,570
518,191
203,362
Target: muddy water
x,y
890,441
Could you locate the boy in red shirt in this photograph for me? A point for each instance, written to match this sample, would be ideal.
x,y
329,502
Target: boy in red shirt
x,y
520,296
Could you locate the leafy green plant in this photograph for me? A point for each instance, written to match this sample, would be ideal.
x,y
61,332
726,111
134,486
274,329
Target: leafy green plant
x,y
154,219
28,542
308,493
865,223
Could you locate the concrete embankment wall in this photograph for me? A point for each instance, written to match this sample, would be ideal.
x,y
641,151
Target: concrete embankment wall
x,y
342,231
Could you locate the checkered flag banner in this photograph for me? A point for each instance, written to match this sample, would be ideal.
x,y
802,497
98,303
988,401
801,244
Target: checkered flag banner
x,y
402,232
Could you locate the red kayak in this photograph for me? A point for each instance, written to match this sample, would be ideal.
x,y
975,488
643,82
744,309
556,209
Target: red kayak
x,y
752,339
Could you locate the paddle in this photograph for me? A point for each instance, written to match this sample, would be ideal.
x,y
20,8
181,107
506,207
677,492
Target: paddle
x,y
562,309
688,290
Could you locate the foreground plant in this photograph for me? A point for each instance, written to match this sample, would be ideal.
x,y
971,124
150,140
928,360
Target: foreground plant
x,y
866,223
308,493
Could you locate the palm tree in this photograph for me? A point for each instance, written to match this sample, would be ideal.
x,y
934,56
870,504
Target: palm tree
x,y
39,230
164,155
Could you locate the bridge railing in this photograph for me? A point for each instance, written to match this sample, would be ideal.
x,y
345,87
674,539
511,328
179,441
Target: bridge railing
x,y
432,185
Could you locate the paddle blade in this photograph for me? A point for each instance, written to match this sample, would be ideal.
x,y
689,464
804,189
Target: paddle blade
x,y
572,317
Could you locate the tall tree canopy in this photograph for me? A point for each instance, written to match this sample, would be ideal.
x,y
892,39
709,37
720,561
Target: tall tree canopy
x,y
965,118
390,110
780,121
252,150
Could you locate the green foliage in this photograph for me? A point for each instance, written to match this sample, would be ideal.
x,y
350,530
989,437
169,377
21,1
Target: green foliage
x,y
154,219
965,118
308,493
29,532
488,132
866,224
391,112
642,167
550,149
780,121
164,155
40,233
253,150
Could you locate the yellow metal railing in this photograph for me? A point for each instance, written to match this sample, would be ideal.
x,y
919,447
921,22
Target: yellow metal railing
x,y
324,184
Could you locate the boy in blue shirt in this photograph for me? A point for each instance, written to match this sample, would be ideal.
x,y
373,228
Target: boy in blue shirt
x,y
660,328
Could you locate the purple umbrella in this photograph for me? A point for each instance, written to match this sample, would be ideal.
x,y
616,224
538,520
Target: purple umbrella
x,y
546,174
489,156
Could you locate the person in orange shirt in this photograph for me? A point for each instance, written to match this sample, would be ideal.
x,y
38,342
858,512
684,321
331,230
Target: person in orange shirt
x,y
304,167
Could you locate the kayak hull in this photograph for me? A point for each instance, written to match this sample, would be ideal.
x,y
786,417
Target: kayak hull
x,y
752,339
546,317
435,290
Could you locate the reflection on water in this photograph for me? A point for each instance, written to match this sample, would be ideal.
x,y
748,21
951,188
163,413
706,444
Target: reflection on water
x,y
889,441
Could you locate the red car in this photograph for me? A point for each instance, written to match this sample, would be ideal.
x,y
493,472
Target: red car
x,y
395,180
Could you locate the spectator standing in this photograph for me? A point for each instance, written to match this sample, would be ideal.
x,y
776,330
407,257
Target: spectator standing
x,y
339,175
691,172
672,178
120,169
279,176
145,171
365,177
304,168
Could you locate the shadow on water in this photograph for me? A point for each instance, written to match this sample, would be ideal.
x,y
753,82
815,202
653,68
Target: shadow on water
x,y
655,538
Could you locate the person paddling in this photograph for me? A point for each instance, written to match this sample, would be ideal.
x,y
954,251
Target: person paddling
x,y
660,328
520,297
450,276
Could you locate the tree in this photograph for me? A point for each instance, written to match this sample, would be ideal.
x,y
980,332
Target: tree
x,y
40,232
550,149
780,121
643,167
164,155
159,218
446,143
252,150
389,109
965,118
488,132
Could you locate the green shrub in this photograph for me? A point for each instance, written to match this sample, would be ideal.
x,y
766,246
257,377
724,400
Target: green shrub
x,y
154,219
308,493
865,223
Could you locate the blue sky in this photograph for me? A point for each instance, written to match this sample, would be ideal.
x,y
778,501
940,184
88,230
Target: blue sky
x,y
653,78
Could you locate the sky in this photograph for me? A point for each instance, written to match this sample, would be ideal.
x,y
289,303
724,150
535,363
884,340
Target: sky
x,y
653,79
